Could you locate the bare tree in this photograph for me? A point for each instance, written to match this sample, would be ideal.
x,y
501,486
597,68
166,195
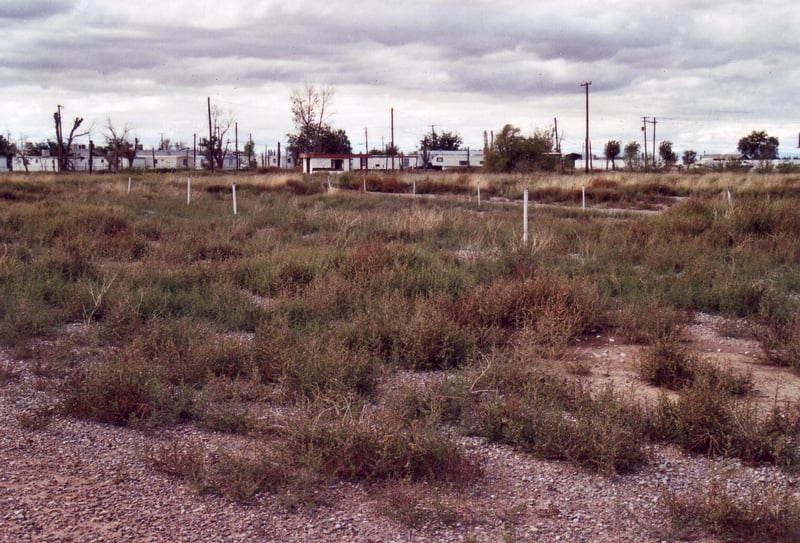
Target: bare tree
x,y
310,112
119,146
64,148
215,150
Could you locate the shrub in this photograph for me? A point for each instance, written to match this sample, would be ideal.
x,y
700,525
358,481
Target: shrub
x,y
561,420
119,391
706,419
234,475
764,514
353,442
314,365
667,365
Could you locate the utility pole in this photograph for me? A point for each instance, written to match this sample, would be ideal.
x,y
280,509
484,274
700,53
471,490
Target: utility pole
x,y
366,141
654,142
586,158
59,138
644,131
210,138
194,150
555,130
392,138
236,142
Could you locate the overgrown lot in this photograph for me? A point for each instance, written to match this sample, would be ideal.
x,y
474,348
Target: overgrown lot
x,y
357,336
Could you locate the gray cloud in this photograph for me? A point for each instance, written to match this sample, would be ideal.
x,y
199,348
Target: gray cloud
x,y
502,61
34,9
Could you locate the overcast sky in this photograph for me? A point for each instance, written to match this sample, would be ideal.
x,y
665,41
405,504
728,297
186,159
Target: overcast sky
x,y
710,72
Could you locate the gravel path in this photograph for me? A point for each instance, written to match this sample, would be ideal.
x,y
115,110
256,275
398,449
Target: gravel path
x,y
78,481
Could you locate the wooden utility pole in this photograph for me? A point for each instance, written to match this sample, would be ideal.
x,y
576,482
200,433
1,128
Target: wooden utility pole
x,y
555,130
586,147
236,142
392,128
654,142
210,137
59,138
644,131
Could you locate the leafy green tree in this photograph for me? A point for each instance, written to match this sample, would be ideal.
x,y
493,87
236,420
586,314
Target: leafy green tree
x,y
631,154
668,156
612,151
443,141
250,153
689,157
7,149
389,150
758,146
513,152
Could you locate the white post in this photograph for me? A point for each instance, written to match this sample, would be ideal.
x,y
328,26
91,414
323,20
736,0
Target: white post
x,y
129,185
234,199
730,198
364,180
583,197
479,194
413,187
188,190
329,182
525,217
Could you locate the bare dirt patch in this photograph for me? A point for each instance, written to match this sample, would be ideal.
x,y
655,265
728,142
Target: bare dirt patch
x,y
606,360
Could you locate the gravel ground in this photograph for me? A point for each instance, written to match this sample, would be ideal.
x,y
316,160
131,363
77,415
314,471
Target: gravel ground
x,y
73,480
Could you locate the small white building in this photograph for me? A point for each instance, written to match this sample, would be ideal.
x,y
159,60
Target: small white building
x,y
160,159
463,158
336,163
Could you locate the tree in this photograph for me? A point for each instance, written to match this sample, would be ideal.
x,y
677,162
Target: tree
x,y
214,151
612,150
64,148
689,157
758,146
444,141
388,150
119,146
631,154
310,114
513,152
250,153
7,149
666,153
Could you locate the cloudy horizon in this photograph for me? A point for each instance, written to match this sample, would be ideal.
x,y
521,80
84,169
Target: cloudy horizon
x,y
709,72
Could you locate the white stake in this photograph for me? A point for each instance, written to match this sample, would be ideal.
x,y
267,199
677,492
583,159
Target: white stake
x,y
129,185
413,187
525,217
234,199
329,182
364,179
479,194
583,197
730,198
188,190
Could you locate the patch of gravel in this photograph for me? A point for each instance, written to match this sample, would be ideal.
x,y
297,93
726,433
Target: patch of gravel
x,y
74,480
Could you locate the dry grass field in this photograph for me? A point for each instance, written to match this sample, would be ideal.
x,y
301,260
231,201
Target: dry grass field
x,y
396,363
